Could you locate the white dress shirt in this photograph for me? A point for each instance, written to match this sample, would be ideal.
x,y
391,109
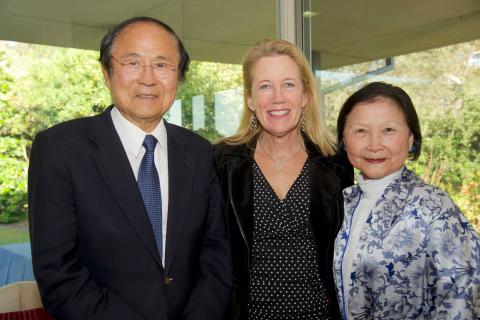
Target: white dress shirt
x,y
132,138
371,189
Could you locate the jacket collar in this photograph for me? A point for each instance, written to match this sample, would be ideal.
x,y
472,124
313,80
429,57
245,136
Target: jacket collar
x,y
388,204
115,169
325,185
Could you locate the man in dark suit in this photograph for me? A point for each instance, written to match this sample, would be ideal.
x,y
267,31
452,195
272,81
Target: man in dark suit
x,y
124,208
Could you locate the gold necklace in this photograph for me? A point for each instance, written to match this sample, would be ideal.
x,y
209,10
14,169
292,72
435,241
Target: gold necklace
x,y
278,162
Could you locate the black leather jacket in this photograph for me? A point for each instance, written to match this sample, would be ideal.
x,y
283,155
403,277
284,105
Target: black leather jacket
x,y
329,176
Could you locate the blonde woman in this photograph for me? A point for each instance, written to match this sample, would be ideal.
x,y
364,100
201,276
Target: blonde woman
x,y
281,187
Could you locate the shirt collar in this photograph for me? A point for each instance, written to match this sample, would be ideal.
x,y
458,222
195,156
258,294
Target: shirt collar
x,y
373,188
132,136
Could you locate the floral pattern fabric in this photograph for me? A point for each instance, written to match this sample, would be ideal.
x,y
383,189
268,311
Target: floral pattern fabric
x,y
418,257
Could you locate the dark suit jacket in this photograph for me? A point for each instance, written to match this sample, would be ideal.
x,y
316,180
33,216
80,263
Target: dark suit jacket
x,y
93,247
328,177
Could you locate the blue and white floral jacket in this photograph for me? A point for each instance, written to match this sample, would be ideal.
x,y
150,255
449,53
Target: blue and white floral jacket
x,y
418,257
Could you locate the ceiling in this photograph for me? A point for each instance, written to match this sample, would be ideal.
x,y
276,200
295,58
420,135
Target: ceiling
x,y
343,32
353,31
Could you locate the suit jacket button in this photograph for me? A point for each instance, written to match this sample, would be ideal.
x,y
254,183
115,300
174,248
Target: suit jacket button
x,y
168,280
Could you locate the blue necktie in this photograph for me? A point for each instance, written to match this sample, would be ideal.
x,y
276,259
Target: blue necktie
x,y
149,185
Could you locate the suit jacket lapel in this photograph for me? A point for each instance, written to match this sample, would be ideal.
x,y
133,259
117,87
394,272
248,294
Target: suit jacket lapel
x,y
114,167
181,168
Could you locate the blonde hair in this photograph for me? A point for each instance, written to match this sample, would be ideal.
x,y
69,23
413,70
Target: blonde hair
x,y
315,128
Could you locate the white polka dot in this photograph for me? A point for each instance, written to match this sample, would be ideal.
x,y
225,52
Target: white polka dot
x,y
285,281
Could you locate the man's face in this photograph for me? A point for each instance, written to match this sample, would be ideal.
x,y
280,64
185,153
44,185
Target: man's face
x,y
144,77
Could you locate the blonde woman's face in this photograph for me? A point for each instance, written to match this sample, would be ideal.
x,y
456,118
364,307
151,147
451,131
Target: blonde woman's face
x,y
277,94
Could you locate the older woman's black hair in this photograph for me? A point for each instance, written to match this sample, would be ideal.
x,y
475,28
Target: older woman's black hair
x,y
378,90
109,39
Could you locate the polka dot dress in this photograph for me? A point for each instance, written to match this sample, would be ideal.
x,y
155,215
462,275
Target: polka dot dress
x,y
285,280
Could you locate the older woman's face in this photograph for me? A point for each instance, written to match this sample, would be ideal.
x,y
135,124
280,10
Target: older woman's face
x,y
377,138
277,95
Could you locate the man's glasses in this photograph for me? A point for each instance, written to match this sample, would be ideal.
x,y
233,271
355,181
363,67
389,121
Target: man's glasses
x,y
135,67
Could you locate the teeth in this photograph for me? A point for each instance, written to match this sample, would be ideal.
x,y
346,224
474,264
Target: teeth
x,y
146,96
278,112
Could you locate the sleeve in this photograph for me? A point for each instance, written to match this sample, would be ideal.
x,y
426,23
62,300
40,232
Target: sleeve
x,y
67,289
453,266
210,296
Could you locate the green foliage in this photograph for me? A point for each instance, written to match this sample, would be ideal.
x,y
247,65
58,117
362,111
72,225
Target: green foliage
x,y
206,78
52,85
46,85
41,86
13,188
446,93
6,80
452,134
59,84
13,193
211,135
469,197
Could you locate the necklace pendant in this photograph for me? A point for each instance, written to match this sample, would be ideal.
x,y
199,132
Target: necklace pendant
x,y
278,163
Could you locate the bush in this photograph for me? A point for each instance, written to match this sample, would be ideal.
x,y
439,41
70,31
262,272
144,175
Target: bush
x,y
468,199
13,206
13,186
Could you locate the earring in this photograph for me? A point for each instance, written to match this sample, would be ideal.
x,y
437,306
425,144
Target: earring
x,y
302,122
253,122
411,149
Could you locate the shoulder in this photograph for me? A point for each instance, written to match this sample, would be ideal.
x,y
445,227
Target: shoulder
x,y
337,164
343,168
223,147
451,236
431,202
67,140
187,137
68,130
418,188
222,150
227,156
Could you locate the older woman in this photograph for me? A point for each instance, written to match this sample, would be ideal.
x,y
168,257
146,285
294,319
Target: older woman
x,y
281,190
405,251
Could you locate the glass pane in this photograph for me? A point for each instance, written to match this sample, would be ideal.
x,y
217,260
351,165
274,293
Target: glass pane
x,y
43,81
428,55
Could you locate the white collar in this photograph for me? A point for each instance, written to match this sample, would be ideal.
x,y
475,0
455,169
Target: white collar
x,y
132,136
373,188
